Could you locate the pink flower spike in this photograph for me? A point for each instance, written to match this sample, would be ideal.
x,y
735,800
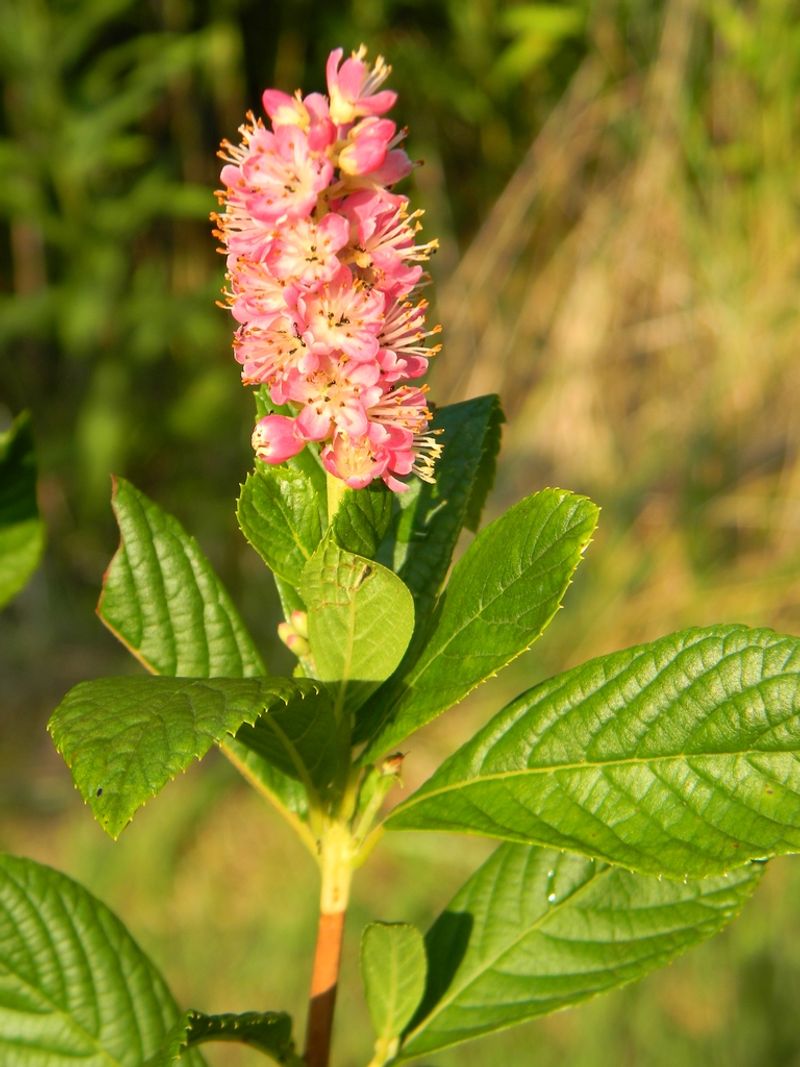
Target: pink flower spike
x,y
352,88
322,259
275,439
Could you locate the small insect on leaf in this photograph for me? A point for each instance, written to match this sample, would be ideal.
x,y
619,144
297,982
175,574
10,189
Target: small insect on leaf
x,y
365,573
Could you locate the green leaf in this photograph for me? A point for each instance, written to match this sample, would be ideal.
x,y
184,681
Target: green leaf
x,y
430,516
679,757
269,1032
534,931
360,620
163,601
288,596
283,517
125,738
393,968
363,518
21,530
75,988
502,594
303,740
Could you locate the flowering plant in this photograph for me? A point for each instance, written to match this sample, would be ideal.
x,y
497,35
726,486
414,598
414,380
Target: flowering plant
x,y
323,265
636,796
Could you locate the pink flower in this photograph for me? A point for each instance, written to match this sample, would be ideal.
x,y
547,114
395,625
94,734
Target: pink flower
x,y
272,353
312,115
394,168
280,178
383,239
335,397
367,145
403,352
255,292
275,439
356,460
241,234
352,87
285,110
344,316
306,252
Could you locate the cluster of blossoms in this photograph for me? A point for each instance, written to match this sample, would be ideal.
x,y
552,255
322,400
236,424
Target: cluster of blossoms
x,y
323,263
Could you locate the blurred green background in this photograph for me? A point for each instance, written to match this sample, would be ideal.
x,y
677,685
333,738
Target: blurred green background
x,y
616,191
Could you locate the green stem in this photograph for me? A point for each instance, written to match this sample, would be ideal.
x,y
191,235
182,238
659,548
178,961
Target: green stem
x,y
385,1051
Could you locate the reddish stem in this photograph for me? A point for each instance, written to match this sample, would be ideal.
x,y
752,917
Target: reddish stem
x,y
322,995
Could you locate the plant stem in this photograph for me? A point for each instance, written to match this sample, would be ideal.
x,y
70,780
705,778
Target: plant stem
x,y
337,869
385,1051
324,983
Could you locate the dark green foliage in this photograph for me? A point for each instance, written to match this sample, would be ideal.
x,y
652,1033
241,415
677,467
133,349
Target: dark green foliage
x,y
75,988
21,529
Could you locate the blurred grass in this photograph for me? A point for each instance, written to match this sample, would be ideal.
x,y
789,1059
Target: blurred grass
x,y
616,188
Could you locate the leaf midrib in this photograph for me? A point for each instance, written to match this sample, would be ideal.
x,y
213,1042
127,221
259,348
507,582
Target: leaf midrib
x,y
583,765
287,515
389,1030
476,974
347,661
553,910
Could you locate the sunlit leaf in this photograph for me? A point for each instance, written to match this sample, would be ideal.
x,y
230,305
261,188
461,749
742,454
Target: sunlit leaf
x,y
363,518
75,988
283,517
360,620
393,968
681,756
164,602
534,931
125,738
502,594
